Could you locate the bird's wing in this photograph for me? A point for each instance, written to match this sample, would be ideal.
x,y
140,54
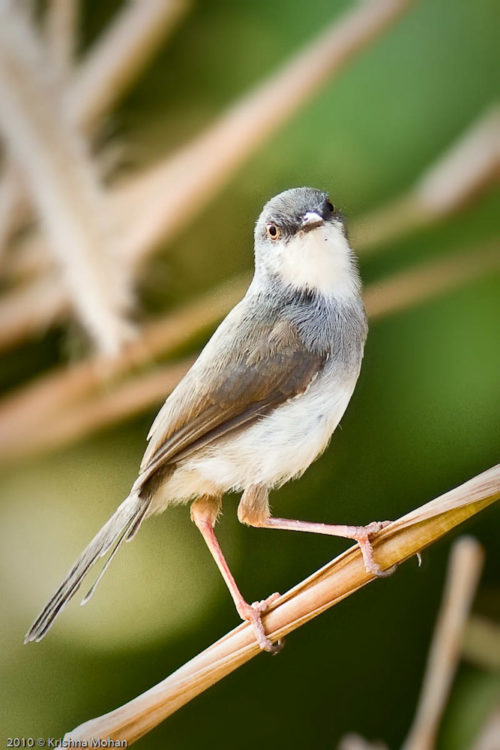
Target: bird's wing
x,y
258,368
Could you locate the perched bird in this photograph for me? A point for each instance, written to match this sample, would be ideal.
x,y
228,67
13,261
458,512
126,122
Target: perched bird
x,y
261,401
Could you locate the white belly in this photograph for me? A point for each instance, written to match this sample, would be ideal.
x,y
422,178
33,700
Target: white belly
x,y
273,450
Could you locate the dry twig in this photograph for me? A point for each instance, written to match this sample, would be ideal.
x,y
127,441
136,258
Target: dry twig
x,y
343,576
464,570
61,180
106,72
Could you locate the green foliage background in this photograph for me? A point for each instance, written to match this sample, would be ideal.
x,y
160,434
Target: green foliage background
x,y
424,417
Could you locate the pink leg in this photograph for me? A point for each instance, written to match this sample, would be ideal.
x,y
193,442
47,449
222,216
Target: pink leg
x,y
253,510
204,513
361,534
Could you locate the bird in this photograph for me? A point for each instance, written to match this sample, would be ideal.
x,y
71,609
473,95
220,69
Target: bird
x,y
260,403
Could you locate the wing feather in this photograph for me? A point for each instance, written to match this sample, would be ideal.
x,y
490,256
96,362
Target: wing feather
x,y
243,373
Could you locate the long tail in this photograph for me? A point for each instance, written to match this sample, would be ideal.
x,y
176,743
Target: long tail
x,y
122,526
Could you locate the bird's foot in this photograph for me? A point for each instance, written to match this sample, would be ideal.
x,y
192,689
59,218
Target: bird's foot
x,y
363,536
252,613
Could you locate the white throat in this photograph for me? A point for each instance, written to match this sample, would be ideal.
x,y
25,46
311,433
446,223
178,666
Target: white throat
x,y
318,260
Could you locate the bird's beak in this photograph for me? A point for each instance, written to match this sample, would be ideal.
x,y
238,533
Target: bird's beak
x,y
311,220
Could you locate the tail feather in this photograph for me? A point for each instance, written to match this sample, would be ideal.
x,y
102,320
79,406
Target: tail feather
x,y
136,524
126,519
128,533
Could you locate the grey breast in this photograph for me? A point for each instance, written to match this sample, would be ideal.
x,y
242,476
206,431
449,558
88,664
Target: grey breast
x,y
334,327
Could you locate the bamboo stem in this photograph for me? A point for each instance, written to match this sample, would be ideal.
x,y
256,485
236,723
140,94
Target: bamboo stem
x,y
326,587
464,570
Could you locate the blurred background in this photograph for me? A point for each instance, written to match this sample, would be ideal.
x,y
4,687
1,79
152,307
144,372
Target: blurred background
x,y
139,143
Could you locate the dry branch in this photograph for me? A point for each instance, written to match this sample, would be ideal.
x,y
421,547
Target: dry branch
x,y
343,576
61,180
158,203
71,397
464,570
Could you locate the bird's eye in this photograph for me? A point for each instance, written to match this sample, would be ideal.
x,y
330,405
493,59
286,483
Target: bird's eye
x,y
330,206
273,232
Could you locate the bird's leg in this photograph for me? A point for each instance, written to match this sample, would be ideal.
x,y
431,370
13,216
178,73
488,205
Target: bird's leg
x,y
255,498
204,512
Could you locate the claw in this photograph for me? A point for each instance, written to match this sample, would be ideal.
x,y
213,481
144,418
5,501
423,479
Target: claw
x,y
363,539
252,613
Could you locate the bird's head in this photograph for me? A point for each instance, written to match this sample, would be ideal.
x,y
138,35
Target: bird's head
x,y
301,240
